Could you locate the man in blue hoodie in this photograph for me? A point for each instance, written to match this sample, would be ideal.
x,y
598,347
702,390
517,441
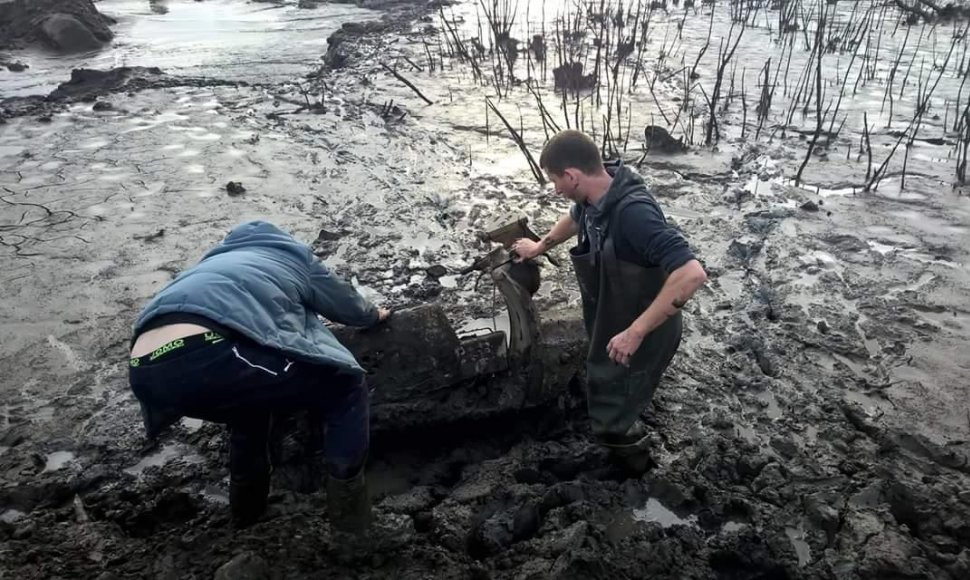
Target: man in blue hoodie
x,y
635,273
238,337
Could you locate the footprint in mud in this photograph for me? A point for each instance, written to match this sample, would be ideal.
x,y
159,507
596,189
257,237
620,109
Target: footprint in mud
x,y
172,508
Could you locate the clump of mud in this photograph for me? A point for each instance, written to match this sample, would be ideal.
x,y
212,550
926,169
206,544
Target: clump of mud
x,y
570,77
342,51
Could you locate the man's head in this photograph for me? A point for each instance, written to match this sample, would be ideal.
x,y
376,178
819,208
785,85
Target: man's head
x,y
573,163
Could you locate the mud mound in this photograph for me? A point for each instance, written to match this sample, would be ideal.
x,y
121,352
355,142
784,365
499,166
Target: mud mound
x,y
342,51
87,85
659,140
62,25
90,83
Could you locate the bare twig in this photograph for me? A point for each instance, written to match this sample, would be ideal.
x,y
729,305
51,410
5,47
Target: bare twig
x,y
819,118
536,170
409,84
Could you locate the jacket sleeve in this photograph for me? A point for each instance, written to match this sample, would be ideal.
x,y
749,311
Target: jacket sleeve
x,y
336,299
646,232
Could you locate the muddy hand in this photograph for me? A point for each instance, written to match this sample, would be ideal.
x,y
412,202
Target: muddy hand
x,y
526,249
622,346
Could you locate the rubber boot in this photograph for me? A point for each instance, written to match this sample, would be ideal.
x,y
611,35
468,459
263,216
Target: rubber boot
x,y
630,451
247,499
348,504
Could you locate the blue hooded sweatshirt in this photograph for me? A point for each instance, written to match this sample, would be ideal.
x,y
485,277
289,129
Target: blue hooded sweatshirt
x,y
269,287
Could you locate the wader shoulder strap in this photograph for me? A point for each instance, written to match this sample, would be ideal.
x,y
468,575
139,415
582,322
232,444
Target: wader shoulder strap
x,y
610,260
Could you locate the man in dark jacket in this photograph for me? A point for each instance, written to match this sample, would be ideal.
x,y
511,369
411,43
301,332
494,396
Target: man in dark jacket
x,y
635,273
238,337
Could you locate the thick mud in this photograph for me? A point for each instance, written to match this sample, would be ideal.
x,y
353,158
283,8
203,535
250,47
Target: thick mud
x,y
813,425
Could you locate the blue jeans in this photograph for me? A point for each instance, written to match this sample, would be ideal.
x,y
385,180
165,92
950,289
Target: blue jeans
x,y
241,384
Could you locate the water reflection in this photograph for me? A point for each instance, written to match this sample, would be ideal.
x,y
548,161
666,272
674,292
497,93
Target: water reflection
x,y
224,39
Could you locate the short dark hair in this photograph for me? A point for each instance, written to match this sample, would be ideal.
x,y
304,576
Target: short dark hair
x,y
571,149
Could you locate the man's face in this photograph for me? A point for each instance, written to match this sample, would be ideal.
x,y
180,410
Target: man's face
x,y
568,185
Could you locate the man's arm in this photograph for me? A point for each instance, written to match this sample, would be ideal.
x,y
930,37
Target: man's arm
x,y
336,299
679,287
564,229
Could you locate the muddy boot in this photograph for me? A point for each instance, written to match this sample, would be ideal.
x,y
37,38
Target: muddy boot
x,y
348,504
635,459
630,451
247,499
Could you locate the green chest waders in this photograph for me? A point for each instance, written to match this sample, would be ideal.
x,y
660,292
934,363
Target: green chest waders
x,y
614,294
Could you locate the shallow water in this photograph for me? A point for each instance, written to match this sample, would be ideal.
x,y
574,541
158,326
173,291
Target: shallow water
x,y
192,425
58,460
225,39
654,511
11,516
654,89
802,549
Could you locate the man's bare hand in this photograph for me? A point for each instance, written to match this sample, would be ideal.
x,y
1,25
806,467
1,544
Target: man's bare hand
x,y
623,346
526,249
383,314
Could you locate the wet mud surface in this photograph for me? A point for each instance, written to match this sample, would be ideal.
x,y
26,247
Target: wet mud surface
x,y
813,425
